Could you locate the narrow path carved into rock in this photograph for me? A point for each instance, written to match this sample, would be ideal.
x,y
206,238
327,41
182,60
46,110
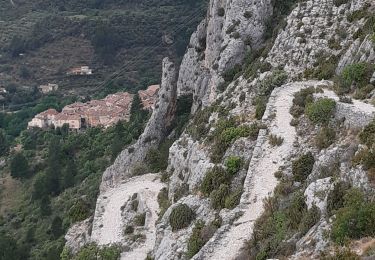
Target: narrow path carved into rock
x,y
260,181
108,223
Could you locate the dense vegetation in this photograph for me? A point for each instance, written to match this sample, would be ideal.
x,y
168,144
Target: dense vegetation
x,y
59,173
356,219
181,217
126,37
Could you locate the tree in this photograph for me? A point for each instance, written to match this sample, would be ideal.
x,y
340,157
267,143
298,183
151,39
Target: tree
x,y
3,143
116,147
8,248
45,206
40,187
54,166
68,175
56,227
19,167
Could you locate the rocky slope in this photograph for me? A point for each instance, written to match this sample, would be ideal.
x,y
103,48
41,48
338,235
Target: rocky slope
x,y
240,149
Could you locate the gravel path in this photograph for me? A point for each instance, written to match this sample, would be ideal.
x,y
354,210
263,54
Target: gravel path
x,y
108,223
260,181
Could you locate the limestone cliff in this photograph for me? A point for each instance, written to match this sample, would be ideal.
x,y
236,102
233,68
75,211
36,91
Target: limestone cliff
x,y
232,28
234,165
155,131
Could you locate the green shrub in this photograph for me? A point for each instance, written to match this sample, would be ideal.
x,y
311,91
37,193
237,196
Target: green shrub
x,y
230,74
302,167
260,107
199,126
335,198
157,159
269,232
321,111
325,138
233,199
296,210
265,88
358,74
79,211
220,11
92,251
325,67
275,140
140,219
218,196
233,164
163,201
213,179
355,220
195,242
340,2
276,79
309,220
301,99
19,166
129,230
181,191
225,134
357,15
199,237
278,223
366,157
364,92
367,135
181,217
140,170
134,204
339,254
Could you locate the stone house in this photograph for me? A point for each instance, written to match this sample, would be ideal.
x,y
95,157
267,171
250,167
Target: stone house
x,y
48,88
83,70
74,121
149,96
44,119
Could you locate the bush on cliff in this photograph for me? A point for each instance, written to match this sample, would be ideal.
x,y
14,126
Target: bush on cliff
x,y
181,217
321,111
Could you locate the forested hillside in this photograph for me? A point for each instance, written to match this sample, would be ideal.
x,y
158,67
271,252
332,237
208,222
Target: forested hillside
x,y
42,40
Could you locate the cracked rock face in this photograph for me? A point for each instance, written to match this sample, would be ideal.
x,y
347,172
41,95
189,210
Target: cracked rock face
x,y
232,28
172,245
155,132
78,235
311,30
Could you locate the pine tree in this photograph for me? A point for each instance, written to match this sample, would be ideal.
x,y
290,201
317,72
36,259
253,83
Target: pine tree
x,y
3,143
19,167
56,227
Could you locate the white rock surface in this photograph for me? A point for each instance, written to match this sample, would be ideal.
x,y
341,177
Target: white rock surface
x,y
316,193
108,225
220,43
260,181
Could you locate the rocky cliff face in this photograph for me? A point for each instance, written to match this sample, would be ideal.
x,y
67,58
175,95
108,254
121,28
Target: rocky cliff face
x,y
232,28
242,143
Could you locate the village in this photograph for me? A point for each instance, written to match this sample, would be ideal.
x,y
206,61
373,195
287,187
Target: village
x,y
103,112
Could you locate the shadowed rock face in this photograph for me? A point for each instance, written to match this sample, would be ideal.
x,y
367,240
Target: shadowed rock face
x,y
156,130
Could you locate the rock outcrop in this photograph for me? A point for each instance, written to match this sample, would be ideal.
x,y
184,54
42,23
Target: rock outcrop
x,y
156,131
232,28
